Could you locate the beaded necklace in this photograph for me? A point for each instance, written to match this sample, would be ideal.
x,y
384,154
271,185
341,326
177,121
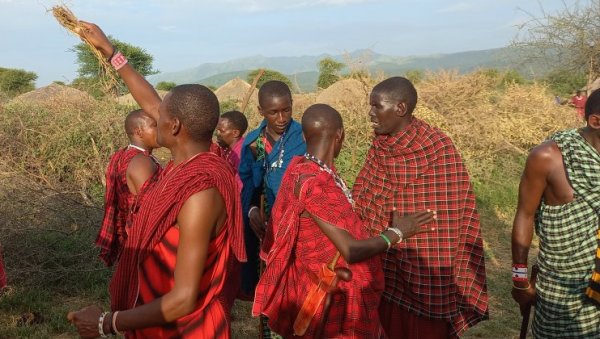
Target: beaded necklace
x,y
338,181
261,153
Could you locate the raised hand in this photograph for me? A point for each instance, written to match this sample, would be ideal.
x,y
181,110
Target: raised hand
x,y
96,37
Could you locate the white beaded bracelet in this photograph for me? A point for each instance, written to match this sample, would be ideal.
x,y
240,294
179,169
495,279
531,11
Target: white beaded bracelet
x,y
101,325
398,233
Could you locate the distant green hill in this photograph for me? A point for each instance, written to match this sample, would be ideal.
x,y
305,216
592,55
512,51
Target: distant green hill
x,y
303,70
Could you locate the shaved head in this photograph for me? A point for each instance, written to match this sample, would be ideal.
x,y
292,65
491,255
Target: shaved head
x,y
273,88
134,120
320,121
196,107
400,89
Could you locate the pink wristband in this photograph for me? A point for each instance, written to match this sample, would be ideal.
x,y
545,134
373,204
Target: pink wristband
x,y
118,60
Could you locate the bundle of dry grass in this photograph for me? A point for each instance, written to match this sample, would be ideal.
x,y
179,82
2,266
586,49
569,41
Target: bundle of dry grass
x,y
68,20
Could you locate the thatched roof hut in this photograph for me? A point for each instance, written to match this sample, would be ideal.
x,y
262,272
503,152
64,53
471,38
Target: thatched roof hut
x,y
55,94
347,92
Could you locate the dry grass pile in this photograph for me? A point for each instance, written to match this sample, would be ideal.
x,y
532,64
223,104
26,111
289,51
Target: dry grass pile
x,y
486,122
62,145
128,100
55,95
236,90
347,92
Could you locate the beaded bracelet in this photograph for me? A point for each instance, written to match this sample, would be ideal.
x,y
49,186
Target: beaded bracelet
x,y
398,233
387,240
101,325
519,272
118,60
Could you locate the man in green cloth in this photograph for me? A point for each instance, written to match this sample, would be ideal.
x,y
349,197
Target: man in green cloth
x,y
560,194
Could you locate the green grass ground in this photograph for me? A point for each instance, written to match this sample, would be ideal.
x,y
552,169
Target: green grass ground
x,y
52,266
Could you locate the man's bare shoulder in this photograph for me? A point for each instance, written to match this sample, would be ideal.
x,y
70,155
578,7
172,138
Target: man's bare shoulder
x,y
544,157
141,162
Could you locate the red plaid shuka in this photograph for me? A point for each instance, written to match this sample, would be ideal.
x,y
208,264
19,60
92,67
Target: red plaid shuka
x,y
117,204
440,274
148,261
297,251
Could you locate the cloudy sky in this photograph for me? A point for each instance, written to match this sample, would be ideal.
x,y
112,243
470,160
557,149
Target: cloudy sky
x,y
185,33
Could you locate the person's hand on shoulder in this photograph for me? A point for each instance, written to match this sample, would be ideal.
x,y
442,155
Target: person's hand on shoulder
x,y
413,224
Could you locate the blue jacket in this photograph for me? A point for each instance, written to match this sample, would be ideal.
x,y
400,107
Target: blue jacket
x,y
252,172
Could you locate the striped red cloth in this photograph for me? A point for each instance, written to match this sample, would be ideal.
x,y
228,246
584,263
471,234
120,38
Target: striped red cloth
x,y
297,251
152,232
117,204
436,275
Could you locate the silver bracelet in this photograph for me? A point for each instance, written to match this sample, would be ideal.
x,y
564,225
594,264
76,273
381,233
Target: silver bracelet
x,y
114,323
101,325
251,209
398,233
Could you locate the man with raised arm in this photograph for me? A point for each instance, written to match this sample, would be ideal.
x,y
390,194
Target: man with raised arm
x,y
312,220
435,284
186,228
559,194
128,170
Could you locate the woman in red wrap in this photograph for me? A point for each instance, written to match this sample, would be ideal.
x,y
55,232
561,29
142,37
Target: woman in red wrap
x,y
312,220
186,229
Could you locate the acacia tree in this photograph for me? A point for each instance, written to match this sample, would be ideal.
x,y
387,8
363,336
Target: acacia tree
x,y
90,72
329,70
165,85
568,39
16,81
268,75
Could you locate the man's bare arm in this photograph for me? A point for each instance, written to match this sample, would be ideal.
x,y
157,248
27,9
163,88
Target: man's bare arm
x,y
354,250
534,182
141,90
197,221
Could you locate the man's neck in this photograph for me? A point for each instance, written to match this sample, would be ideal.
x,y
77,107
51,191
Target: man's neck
x,y
321,152
235,141
274,136
183,153
402,125
140,146
592,136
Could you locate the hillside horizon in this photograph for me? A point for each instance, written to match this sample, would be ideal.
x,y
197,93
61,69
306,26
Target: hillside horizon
x,y
303,70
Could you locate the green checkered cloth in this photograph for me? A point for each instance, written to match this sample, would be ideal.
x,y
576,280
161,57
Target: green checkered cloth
x,y
568,246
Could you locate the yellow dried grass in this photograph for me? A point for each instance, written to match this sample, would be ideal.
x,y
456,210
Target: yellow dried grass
x,y
68,20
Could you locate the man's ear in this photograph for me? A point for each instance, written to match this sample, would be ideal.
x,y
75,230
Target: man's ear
x,y
594,121
401,109
138,132
339,134
176,126
237,133
260,111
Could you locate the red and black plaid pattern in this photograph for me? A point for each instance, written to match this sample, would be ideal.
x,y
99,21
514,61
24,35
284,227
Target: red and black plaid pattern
x,y
298,250
440,274
117,204
157,213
